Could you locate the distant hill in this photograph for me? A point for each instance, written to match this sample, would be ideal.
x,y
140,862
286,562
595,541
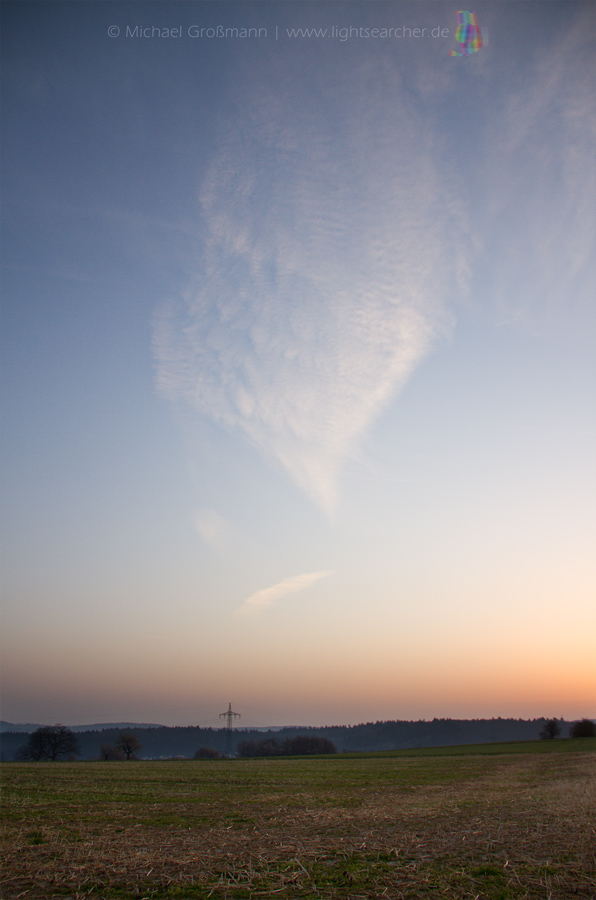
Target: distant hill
x,y
28,727
21,727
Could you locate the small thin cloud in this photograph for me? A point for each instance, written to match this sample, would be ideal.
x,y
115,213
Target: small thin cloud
x,y
212,528
265,598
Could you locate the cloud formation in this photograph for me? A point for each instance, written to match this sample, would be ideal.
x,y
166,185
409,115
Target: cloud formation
x,y
333,237
264,599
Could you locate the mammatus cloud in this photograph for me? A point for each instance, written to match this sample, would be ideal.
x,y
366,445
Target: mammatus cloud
x,y
333,237
262,600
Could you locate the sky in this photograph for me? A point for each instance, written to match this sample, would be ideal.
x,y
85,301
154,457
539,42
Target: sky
x,y
298,361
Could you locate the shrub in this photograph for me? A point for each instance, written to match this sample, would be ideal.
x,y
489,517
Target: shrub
x,y
108,752
301,745
207,753
583,728
267,747
305,745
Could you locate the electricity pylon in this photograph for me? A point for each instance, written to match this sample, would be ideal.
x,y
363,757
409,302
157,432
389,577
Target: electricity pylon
x,y
230,716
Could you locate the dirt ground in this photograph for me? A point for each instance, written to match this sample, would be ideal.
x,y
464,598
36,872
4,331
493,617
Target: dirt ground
x,y
495,827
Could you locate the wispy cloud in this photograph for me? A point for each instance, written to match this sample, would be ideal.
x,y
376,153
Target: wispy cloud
x,y
212,527
333,239
538,224
264,599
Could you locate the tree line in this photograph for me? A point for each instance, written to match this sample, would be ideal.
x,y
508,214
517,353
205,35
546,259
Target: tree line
x,y
53,742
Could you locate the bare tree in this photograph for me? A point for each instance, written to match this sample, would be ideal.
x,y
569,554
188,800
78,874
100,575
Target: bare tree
x,y
50,742
109,752
550,731
128,743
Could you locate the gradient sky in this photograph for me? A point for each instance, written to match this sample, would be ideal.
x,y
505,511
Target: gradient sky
x,y
298,363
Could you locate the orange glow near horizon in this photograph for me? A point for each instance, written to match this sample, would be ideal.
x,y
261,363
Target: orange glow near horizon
x,y
340,688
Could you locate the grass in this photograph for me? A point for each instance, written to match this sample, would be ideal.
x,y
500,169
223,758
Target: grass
x,y
566,745
473,826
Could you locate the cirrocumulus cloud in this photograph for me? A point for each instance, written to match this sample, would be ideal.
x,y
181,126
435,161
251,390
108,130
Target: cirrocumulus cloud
x,y
333,239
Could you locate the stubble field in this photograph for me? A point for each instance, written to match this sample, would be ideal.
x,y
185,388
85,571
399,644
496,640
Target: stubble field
x,y
520,825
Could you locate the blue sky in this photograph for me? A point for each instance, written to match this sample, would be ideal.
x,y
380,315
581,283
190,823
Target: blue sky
x,y
298,363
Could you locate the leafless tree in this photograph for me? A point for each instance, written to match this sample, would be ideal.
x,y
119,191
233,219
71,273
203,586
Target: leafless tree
x,y
50,742
109,752
128,743
550,731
